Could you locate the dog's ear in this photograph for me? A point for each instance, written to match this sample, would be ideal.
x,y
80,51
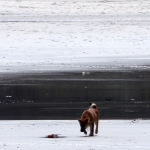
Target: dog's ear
x,y
90,103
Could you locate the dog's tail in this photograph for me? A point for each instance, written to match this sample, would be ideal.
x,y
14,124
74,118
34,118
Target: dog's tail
x,y
93,105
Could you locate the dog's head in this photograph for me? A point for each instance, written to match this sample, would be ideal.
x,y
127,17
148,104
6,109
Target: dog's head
x,y
83,124
93,105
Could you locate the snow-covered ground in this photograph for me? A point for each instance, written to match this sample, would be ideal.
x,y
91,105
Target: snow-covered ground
x,y
74,34
113,135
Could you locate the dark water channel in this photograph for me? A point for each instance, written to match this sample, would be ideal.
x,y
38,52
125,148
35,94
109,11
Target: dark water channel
x,y
64,95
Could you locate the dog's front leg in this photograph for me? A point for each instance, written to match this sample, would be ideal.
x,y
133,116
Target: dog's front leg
x,y
91,130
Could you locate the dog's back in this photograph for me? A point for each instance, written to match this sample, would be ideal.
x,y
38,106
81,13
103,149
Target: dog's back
x,y
92,113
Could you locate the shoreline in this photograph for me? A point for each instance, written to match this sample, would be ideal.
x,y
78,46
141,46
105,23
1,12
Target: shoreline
x,y
76,67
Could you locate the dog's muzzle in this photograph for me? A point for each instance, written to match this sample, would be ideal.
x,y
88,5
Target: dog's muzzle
x,y
83,130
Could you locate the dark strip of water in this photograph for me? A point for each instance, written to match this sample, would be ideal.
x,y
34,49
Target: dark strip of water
x,y
65,95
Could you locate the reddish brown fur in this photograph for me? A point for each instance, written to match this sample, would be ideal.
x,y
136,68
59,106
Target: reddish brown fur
x,y
88,118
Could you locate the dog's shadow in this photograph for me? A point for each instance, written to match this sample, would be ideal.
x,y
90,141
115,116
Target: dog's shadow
x,y
84,136
87,136
55,138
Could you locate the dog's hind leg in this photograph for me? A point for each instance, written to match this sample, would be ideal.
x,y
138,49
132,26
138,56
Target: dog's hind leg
x,y
91,129
96,123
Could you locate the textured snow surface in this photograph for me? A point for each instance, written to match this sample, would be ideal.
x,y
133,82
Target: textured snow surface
x,y
86,34
113,135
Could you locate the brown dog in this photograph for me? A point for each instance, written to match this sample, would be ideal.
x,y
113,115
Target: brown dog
x,y
88,118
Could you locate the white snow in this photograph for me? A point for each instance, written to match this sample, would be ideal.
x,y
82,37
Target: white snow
x,y
85,34
113,135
